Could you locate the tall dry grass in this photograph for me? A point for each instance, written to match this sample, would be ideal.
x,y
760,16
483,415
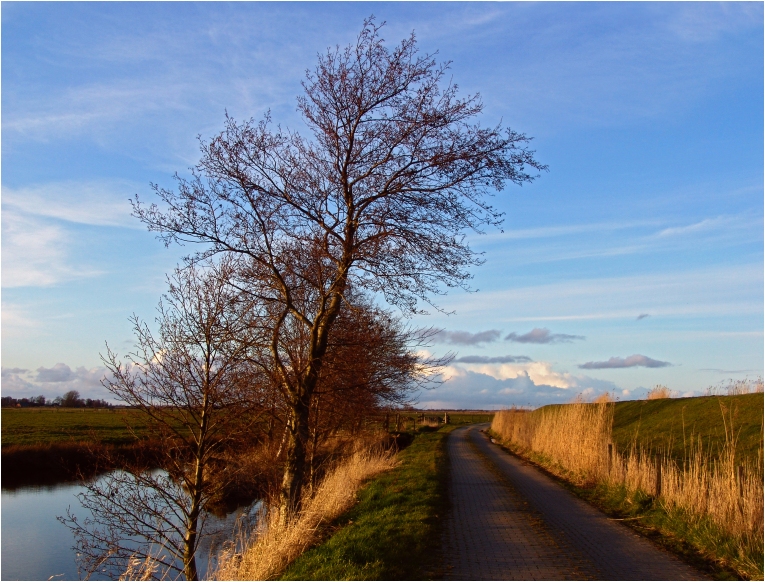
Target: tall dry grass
x,y
736,387
265,553
572,437
658,392
573,441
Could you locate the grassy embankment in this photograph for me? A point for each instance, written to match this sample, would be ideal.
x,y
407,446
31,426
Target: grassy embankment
x,y
392,532
707,450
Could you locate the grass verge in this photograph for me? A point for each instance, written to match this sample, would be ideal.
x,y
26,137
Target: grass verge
x,y
392,533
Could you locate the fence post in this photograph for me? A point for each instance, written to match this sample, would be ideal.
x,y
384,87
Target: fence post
x,y
658,479
741,480
610,456
398,425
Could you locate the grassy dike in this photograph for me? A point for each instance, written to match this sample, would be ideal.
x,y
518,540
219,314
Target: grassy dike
x,y
392,533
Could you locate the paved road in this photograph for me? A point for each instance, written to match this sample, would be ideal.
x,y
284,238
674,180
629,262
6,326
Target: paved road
x,y
509,521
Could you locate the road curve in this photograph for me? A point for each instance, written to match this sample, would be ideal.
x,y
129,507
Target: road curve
x,y
509,521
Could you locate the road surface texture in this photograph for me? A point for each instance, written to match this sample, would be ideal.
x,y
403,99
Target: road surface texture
x,y
509,521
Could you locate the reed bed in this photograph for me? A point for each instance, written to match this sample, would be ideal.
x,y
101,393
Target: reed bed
x,y
264,554
708,487
570,438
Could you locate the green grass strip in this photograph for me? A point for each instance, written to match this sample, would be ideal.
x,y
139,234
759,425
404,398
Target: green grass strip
x,y
393,532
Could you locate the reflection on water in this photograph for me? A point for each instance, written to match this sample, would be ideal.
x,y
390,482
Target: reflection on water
x,y
35,546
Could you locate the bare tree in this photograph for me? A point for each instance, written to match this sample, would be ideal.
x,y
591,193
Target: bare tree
x,y
72,399
192,381
378,198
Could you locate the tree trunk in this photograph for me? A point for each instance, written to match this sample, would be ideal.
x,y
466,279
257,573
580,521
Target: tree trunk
x,y
189,559
294,468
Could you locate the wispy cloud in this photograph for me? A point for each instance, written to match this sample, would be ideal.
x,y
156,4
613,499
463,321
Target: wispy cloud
x,y
35,253
542,336
568,230
103,203
708,224
719,371
707,292
492,360
633,361
465,338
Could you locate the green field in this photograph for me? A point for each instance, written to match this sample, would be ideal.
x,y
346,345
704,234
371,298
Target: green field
x,y
666,425
42,426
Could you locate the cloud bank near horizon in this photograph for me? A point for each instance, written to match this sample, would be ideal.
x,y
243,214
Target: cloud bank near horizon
x,y
488,389
55,381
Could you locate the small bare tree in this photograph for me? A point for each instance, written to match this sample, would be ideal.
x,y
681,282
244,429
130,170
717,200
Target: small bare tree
x,y
378,199
192,381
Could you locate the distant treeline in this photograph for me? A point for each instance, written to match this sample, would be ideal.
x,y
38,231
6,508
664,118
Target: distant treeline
x,y
70,399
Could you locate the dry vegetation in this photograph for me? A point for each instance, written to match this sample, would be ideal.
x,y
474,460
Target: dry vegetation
x,y
658,392
264,553
709,488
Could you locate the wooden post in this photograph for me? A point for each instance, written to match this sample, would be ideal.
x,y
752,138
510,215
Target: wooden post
x,y
658,479
740,480
398,422
446,418
610,456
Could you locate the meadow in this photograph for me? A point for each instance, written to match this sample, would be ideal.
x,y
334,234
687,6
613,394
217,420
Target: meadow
x,y
45,426
122,426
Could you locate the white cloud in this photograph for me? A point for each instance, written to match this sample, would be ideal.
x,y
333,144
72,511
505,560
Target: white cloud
x,y
539,373
477,389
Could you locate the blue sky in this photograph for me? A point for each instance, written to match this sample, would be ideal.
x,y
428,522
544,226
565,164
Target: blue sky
x,y
636,260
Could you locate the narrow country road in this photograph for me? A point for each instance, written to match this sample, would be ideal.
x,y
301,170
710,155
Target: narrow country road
x,y
509,521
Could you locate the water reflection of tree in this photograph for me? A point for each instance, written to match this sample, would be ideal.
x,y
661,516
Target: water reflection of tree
x,y
193,381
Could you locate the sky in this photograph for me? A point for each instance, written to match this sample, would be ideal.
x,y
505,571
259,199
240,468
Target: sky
x,y
636,260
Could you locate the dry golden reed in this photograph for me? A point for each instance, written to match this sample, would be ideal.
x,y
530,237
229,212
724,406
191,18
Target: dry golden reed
x,y
658,392
269,549
573,441
571,436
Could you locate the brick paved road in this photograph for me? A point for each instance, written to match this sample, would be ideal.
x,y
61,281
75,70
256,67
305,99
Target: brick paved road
x,y
509,521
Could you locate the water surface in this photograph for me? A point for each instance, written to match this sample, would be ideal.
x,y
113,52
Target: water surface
x,y
36,546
